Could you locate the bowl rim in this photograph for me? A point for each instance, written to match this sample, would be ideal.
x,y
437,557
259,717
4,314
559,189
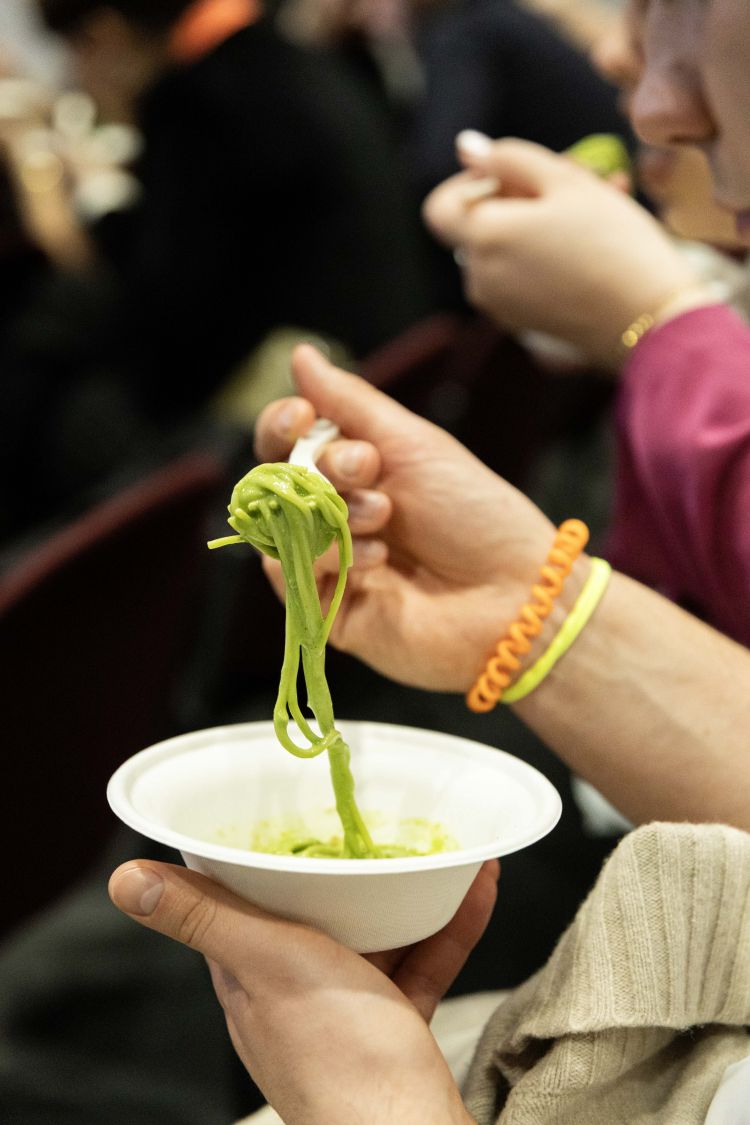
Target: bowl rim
x,y
135,766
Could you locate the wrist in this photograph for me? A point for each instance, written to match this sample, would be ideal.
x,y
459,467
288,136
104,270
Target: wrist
x,y
578,618
408,1103
575,671
561,608
541,616
563,604
376,1079
691,295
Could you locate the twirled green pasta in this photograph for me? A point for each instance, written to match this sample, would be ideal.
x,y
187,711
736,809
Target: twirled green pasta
x,y
294,514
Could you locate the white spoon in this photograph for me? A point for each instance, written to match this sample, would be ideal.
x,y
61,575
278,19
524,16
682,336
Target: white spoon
x,y
308,448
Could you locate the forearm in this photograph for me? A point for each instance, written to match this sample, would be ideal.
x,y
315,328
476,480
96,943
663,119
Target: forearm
x,y
392,1105
653,708
397,1094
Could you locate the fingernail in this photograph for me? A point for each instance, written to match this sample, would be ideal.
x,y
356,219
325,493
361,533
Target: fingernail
x,y
137,891
285,421
364,505
350,460
317,355
474,143
476,190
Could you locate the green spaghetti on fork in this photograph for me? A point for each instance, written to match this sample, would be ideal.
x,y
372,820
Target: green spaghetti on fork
x,y
294,514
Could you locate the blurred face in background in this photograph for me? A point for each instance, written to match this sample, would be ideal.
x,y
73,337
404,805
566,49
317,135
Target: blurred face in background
x,y
695,87
665,55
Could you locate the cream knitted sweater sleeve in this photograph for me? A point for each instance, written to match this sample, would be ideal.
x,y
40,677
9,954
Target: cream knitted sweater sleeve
x,y
645,1000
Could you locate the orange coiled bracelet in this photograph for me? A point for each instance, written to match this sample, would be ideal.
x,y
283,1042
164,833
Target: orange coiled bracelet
x,y
572,536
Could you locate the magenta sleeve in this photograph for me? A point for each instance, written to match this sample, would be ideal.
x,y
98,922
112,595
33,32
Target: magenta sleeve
x,y
682,491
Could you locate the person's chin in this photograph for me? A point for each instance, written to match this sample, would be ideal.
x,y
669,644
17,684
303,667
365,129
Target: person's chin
x,y
703,224
731,197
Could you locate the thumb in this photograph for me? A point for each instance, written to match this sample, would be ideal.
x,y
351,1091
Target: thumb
x,y
524,169
359,409
191,909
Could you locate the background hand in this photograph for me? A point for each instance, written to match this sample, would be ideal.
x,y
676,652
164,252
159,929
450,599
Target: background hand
x,y
327,1035
558,250
452,549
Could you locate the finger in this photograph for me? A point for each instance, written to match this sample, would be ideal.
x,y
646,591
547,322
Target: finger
x,y
445,211
192,910
389,960
473,147
524,168
279,425
369,511
622,181
347,464
493,218
367,553
350,464
360,411
479,188
430,967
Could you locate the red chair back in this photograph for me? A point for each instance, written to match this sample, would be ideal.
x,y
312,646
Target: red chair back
x,y
481,385
93,626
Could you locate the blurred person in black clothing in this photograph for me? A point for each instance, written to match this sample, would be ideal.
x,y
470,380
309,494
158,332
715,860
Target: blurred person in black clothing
x,y
448,65
21,265
272,195
496,66
64,422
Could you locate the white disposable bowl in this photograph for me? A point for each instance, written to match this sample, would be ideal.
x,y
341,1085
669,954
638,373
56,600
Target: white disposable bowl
x,y
192,790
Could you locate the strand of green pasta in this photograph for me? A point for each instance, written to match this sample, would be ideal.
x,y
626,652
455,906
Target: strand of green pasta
x,y
293,514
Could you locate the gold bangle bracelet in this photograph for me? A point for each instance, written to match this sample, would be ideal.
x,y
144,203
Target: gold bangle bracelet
x,y
690,297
